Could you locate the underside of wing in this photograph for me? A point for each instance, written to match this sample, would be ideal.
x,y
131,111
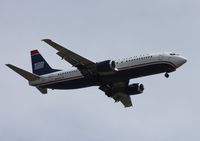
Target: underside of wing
x,y
123,98
84,65
118,92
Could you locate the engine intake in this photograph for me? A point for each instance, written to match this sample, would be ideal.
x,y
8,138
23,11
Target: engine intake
x,y
135,89
106,66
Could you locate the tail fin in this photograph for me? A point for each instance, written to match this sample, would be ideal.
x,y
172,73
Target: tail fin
x,y
39,64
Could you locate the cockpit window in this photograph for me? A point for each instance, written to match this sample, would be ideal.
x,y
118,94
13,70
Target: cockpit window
x,y
172,54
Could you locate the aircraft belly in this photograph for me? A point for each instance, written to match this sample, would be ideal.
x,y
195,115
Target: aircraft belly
x,y
72,84
121,75
129,73
147,70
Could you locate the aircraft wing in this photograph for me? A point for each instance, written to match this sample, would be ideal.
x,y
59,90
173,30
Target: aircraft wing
x,y
123,98
84,65
118,92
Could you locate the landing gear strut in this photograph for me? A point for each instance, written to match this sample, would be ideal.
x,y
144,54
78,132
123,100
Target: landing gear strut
x,y
166,75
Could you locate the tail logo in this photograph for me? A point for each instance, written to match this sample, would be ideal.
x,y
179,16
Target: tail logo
x,y
39,65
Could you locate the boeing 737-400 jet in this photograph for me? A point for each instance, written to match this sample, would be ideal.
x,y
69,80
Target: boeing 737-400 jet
x,y
111,76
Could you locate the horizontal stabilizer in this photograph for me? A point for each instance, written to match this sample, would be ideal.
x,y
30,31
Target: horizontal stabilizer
x,y
27,75
42,90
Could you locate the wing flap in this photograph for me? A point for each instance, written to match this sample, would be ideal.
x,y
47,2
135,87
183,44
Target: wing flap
x,y
69,59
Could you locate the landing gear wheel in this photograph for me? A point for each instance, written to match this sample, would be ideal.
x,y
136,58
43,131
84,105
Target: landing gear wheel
x,y
166,75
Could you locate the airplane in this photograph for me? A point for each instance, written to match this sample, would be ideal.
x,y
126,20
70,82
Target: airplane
x,y
111,76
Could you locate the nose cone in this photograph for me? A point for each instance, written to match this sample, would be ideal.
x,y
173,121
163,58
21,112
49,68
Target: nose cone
x,y
180,61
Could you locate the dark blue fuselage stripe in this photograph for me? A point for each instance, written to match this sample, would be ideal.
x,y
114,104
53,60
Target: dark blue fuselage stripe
x,y
61,80
120,69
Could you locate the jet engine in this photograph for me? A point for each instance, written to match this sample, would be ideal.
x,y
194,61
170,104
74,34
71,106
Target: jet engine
x,y
135,89
106,66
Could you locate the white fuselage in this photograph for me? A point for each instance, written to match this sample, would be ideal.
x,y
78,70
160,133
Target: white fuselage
x,y
122,65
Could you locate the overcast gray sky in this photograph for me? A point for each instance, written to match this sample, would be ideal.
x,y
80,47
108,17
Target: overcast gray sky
x,y
167,110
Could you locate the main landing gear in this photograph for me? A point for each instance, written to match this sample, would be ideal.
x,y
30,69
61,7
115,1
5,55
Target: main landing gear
x,y
167,75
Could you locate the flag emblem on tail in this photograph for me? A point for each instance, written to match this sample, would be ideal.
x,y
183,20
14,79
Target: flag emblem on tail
x,y
39,65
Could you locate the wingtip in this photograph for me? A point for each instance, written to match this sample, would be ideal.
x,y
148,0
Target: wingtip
x,y
8,65
46,40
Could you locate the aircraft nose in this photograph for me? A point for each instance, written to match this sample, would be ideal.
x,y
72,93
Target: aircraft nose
x,y
184,60
181,60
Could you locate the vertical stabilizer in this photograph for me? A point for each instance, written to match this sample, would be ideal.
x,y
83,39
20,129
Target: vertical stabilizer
x,y
39,64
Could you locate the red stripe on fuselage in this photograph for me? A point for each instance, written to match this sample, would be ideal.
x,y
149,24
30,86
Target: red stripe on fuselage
x,y
61,80
150,63
120,69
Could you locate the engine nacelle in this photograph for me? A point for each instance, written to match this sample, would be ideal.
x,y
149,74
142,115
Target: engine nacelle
x,y
135,89
106,66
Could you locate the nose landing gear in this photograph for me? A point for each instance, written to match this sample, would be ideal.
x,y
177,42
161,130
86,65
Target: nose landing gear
x,y
166,75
